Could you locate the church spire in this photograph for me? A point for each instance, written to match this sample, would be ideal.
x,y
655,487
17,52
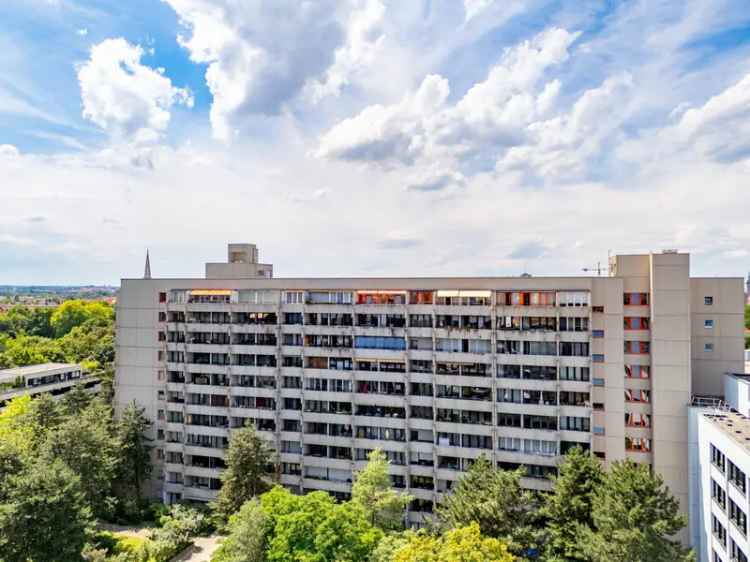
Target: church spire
x,y
147,271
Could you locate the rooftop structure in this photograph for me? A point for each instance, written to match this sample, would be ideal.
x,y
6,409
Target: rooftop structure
x,y
434,371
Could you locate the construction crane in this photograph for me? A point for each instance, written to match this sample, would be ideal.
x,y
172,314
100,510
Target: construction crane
x,y
598,269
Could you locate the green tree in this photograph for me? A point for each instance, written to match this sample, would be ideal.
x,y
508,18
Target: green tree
x,y
314,528
75,401
569,507
373,493
249,471
91,343
463,544
135,451
635,518
31,350
86,443
15,429
246,541
495,500
74,313
44,517
44,415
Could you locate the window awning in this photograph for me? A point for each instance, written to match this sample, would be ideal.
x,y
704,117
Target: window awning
x,y
464,293
211,292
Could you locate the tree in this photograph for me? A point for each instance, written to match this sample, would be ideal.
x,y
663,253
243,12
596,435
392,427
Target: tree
x,y
31,350
135,450
568,508
15,429
246,541
248,473
74,313
373,493
463,544
86,443
314,528
495,500
44,517
43,416
635,518
75,401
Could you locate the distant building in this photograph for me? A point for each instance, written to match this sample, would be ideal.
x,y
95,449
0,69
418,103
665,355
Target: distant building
x,y
53,378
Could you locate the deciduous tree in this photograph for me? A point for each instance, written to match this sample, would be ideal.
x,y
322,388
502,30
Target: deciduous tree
x,y
246,540
463,544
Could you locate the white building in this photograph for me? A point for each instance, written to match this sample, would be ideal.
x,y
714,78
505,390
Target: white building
x,y
53,378
719,466
434,371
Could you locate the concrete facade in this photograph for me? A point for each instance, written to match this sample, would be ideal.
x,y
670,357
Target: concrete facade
x,y
434,371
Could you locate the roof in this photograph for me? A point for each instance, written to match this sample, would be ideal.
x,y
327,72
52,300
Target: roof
x,y
36,369
734,425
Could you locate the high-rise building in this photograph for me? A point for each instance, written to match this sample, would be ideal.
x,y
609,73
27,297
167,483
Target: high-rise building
x,y
434,371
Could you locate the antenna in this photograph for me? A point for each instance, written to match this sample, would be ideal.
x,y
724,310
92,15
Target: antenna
x,y
598,268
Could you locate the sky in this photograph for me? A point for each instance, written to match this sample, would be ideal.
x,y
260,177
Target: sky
x,y
371,137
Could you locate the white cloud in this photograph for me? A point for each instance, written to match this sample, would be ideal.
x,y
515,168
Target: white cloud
x,y
559,147
364,40
127,99
83,32
475,7
8,151
424,128
260,54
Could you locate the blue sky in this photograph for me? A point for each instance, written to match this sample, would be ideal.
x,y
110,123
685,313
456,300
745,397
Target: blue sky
x,y
473,137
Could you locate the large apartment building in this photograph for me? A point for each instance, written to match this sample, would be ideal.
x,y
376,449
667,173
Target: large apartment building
x,y
434,371
55,379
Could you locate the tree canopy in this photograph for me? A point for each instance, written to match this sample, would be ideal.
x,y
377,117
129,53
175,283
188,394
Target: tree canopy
x,y
635,518
249,471
373,492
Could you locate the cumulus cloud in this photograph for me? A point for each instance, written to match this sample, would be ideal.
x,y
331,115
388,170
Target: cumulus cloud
x,y
127,99
364,41
261,55
560,147
491,116
8,151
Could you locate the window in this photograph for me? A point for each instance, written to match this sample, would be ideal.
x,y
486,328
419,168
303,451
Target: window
x,y
637,347
571,423
574,349
379,342
718,494
574,324
635,395
638,444
637,420
574,374
293,297
597,333
708,347
573,298
718,530
162,297
597,309
637,371
738,517
735,552
737,477
708,324
635,299
636,323
717,458
597,357
708,301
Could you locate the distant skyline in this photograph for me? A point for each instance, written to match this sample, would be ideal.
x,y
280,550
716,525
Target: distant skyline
x,y
415,138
